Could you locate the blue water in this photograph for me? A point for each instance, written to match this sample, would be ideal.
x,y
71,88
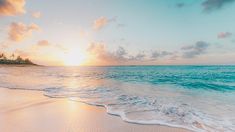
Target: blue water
x,y
198,98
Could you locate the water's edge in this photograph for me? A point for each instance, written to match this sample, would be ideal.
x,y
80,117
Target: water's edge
x,y
122,116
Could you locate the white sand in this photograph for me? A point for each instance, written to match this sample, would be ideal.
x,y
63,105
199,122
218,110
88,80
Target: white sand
x,y
30,111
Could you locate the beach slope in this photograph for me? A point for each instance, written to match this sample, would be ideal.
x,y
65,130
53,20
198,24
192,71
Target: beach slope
x,y
30,111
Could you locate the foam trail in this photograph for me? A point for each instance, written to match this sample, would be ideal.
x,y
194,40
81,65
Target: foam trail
x,y
198,98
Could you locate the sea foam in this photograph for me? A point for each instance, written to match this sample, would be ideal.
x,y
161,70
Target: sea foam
x,y
198,98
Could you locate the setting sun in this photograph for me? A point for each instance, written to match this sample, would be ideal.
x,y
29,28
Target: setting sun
x,y
74,58
159,65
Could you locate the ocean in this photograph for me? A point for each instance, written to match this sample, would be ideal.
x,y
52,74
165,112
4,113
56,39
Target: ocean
x,y
198,98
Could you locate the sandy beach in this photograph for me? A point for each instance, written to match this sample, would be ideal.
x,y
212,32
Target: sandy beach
x,y
31,111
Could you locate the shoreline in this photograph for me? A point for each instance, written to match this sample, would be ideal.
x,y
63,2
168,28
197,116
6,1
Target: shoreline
x,y
29,110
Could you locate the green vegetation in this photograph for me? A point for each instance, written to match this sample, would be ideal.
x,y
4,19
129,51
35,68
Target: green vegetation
x,y
12,60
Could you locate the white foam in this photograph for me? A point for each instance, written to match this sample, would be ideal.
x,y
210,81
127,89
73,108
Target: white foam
x,y
193,109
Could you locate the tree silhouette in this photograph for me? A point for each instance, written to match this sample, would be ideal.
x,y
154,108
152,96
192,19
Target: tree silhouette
x,y
12,56
19,59
12,60
28,61
4,56
1,56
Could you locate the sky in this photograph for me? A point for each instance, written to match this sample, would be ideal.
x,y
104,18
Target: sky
x,y
119,32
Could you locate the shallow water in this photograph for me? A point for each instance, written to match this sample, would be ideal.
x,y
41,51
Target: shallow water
x,y
198,98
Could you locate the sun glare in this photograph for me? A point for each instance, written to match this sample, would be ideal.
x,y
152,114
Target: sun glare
x,y
74,58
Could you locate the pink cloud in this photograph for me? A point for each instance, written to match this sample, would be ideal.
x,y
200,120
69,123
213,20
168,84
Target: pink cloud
x,y
223,35
12,7
100,23
43,43
19,31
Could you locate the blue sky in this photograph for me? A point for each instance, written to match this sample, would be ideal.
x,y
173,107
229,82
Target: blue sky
x,y
146,31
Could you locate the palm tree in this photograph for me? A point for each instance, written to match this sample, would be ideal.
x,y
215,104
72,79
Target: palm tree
x,y
4,56
1,56
19,59
13,56
28,61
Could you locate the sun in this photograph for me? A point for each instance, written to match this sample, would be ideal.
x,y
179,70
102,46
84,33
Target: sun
x,y
74,58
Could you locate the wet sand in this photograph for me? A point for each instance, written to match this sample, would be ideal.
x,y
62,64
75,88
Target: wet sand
x,y
30,111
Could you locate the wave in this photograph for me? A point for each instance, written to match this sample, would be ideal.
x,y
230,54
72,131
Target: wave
x,y
147,109
195,98
144,109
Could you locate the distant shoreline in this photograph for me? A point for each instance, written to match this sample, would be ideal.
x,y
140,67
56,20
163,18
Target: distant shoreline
x,y
19,64
16,65
14,61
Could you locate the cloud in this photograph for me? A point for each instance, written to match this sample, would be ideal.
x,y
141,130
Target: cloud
x,y
12,7
99,50
19,31
102,56
139,57
102,22
210,5
174,57
36,14
43,43
121,53
223,35
46,44
158,54
198,48
180,5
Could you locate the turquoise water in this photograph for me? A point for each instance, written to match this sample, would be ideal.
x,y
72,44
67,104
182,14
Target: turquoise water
x,y
198,98
192,77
